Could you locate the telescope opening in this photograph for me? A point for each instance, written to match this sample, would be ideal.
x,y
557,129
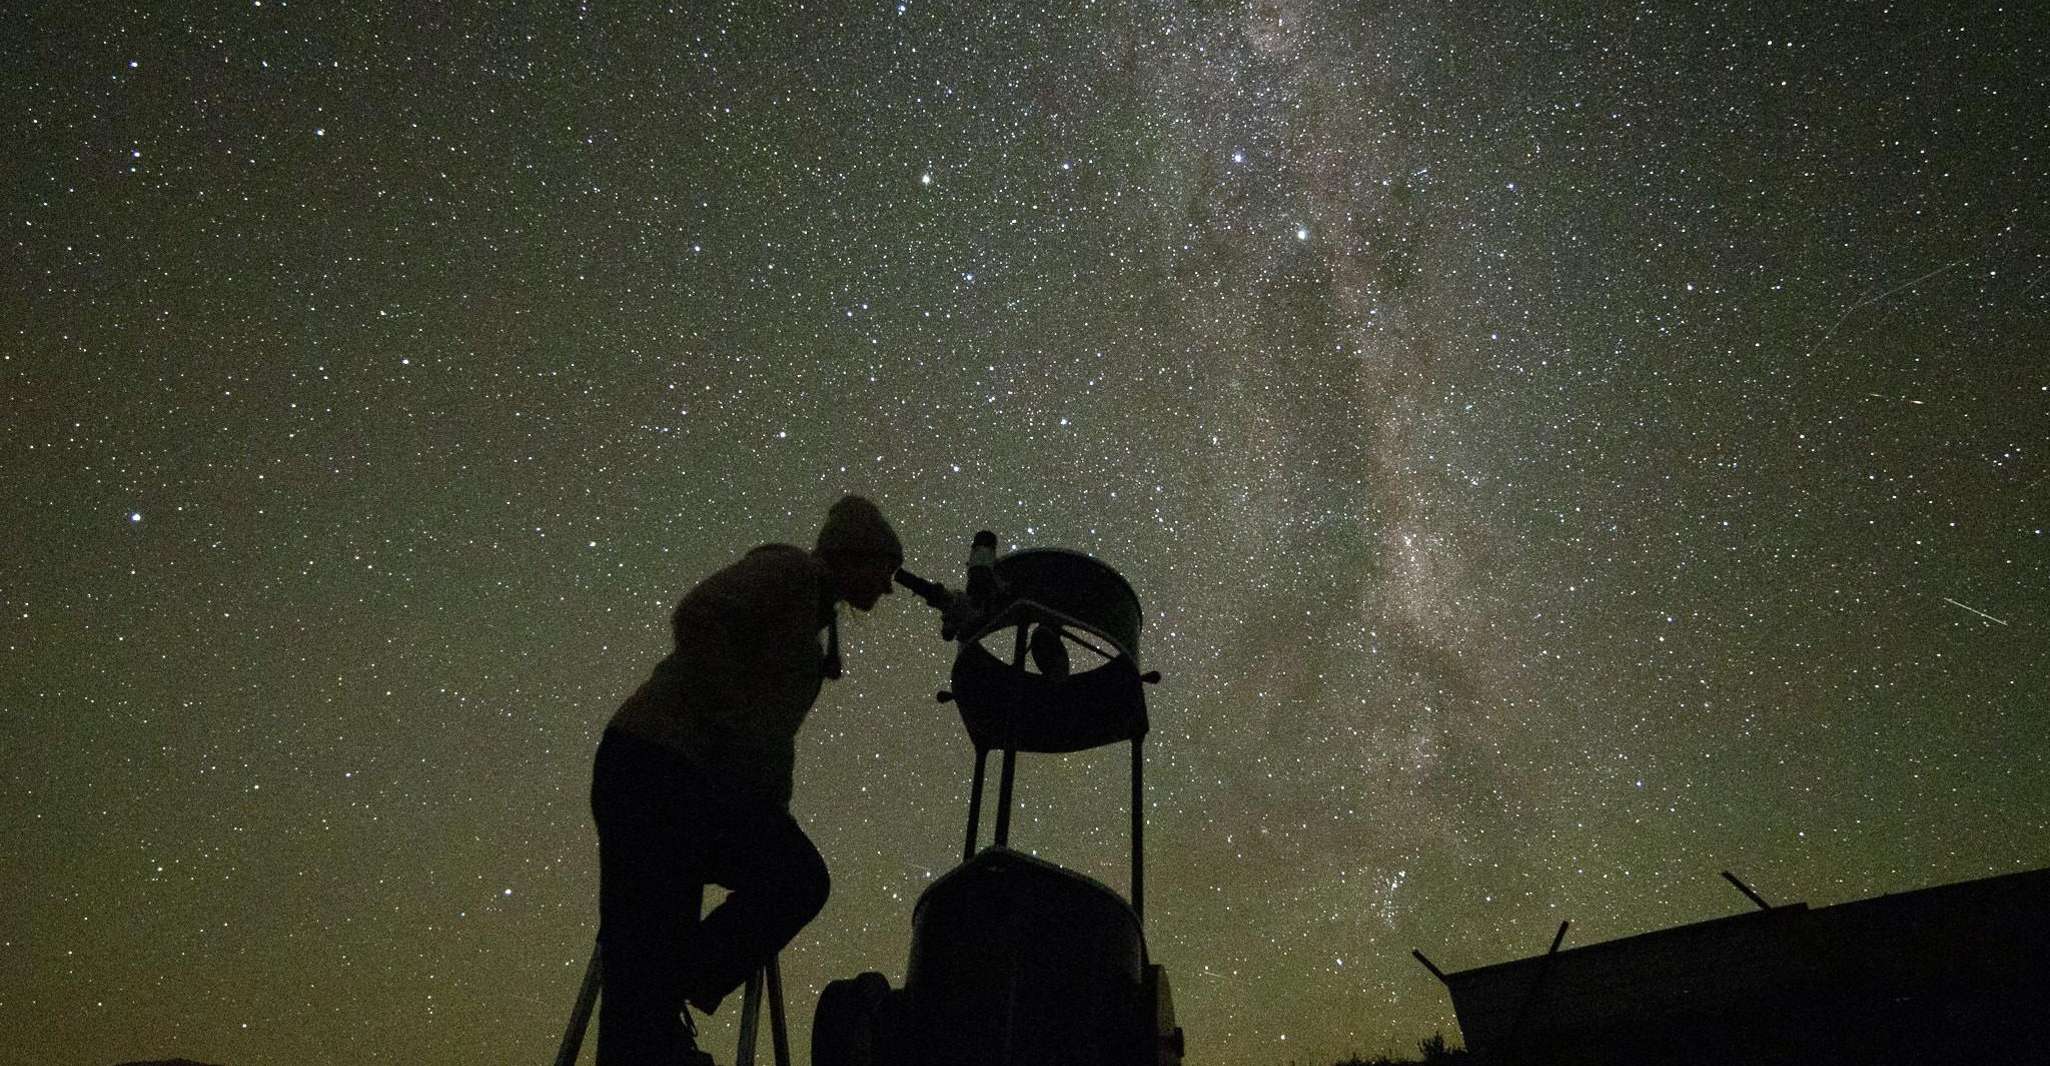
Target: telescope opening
x,y
1052,650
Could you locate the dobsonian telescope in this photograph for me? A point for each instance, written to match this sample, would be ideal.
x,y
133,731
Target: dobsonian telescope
x,y
1015,960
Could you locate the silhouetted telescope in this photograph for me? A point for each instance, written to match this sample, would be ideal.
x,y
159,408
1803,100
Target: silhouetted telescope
x,y
1016,960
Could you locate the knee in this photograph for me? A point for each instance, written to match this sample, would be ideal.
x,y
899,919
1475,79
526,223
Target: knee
x,y
812,888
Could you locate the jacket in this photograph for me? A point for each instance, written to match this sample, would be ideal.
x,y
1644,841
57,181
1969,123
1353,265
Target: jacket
x,y
745,672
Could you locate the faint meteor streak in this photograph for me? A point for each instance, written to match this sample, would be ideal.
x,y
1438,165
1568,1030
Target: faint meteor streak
x,y
1972,609
1870,300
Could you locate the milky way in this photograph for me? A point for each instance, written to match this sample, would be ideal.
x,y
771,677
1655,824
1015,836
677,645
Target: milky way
x,y
1560,457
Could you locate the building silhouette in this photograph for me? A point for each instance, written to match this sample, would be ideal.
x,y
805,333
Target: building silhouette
x,y
1955,973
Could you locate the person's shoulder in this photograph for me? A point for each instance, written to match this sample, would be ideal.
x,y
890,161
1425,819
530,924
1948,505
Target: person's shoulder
x,y
784,555
783,561
761,567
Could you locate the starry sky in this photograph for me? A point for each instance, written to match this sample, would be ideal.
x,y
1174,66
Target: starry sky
x,y
1563,452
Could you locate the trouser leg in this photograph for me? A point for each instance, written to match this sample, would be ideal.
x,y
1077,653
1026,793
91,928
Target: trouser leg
x,y
663,835
650,891
778,883
642,933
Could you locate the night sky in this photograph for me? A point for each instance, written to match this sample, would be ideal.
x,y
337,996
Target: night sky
x,y
1561,456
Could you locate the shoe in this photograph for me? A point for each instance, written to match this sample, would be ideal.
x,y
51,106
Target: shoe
x,y
687,1052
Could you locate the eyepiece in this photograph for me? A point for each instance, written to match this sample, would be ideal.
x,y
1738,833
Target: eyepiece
x,y
932,592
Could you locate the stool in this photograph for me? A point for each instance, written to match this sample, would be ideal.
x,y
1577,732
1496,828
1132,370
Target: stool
x,y
769,976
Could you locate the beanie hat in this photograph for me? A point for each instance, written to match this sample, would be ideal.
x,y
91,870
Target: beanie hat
x,y
854,526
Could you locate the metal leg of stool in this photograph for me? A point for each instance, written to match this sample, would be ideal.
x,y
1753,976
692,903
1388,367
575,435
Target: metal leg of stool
x,y
580,1014
750,1018
779,1031
771,976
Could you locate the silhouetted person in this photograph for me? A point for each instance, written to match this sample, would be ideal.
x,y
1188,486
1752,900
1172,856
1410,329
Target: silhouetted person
x,y
692,785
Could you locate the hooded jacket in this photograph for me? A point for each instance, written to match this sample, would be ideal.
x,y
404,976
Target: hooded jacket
x,y
746,669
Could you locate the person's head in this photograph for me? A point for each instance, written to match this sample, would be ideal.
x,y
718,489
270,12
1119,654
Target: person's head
x,y
860,551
